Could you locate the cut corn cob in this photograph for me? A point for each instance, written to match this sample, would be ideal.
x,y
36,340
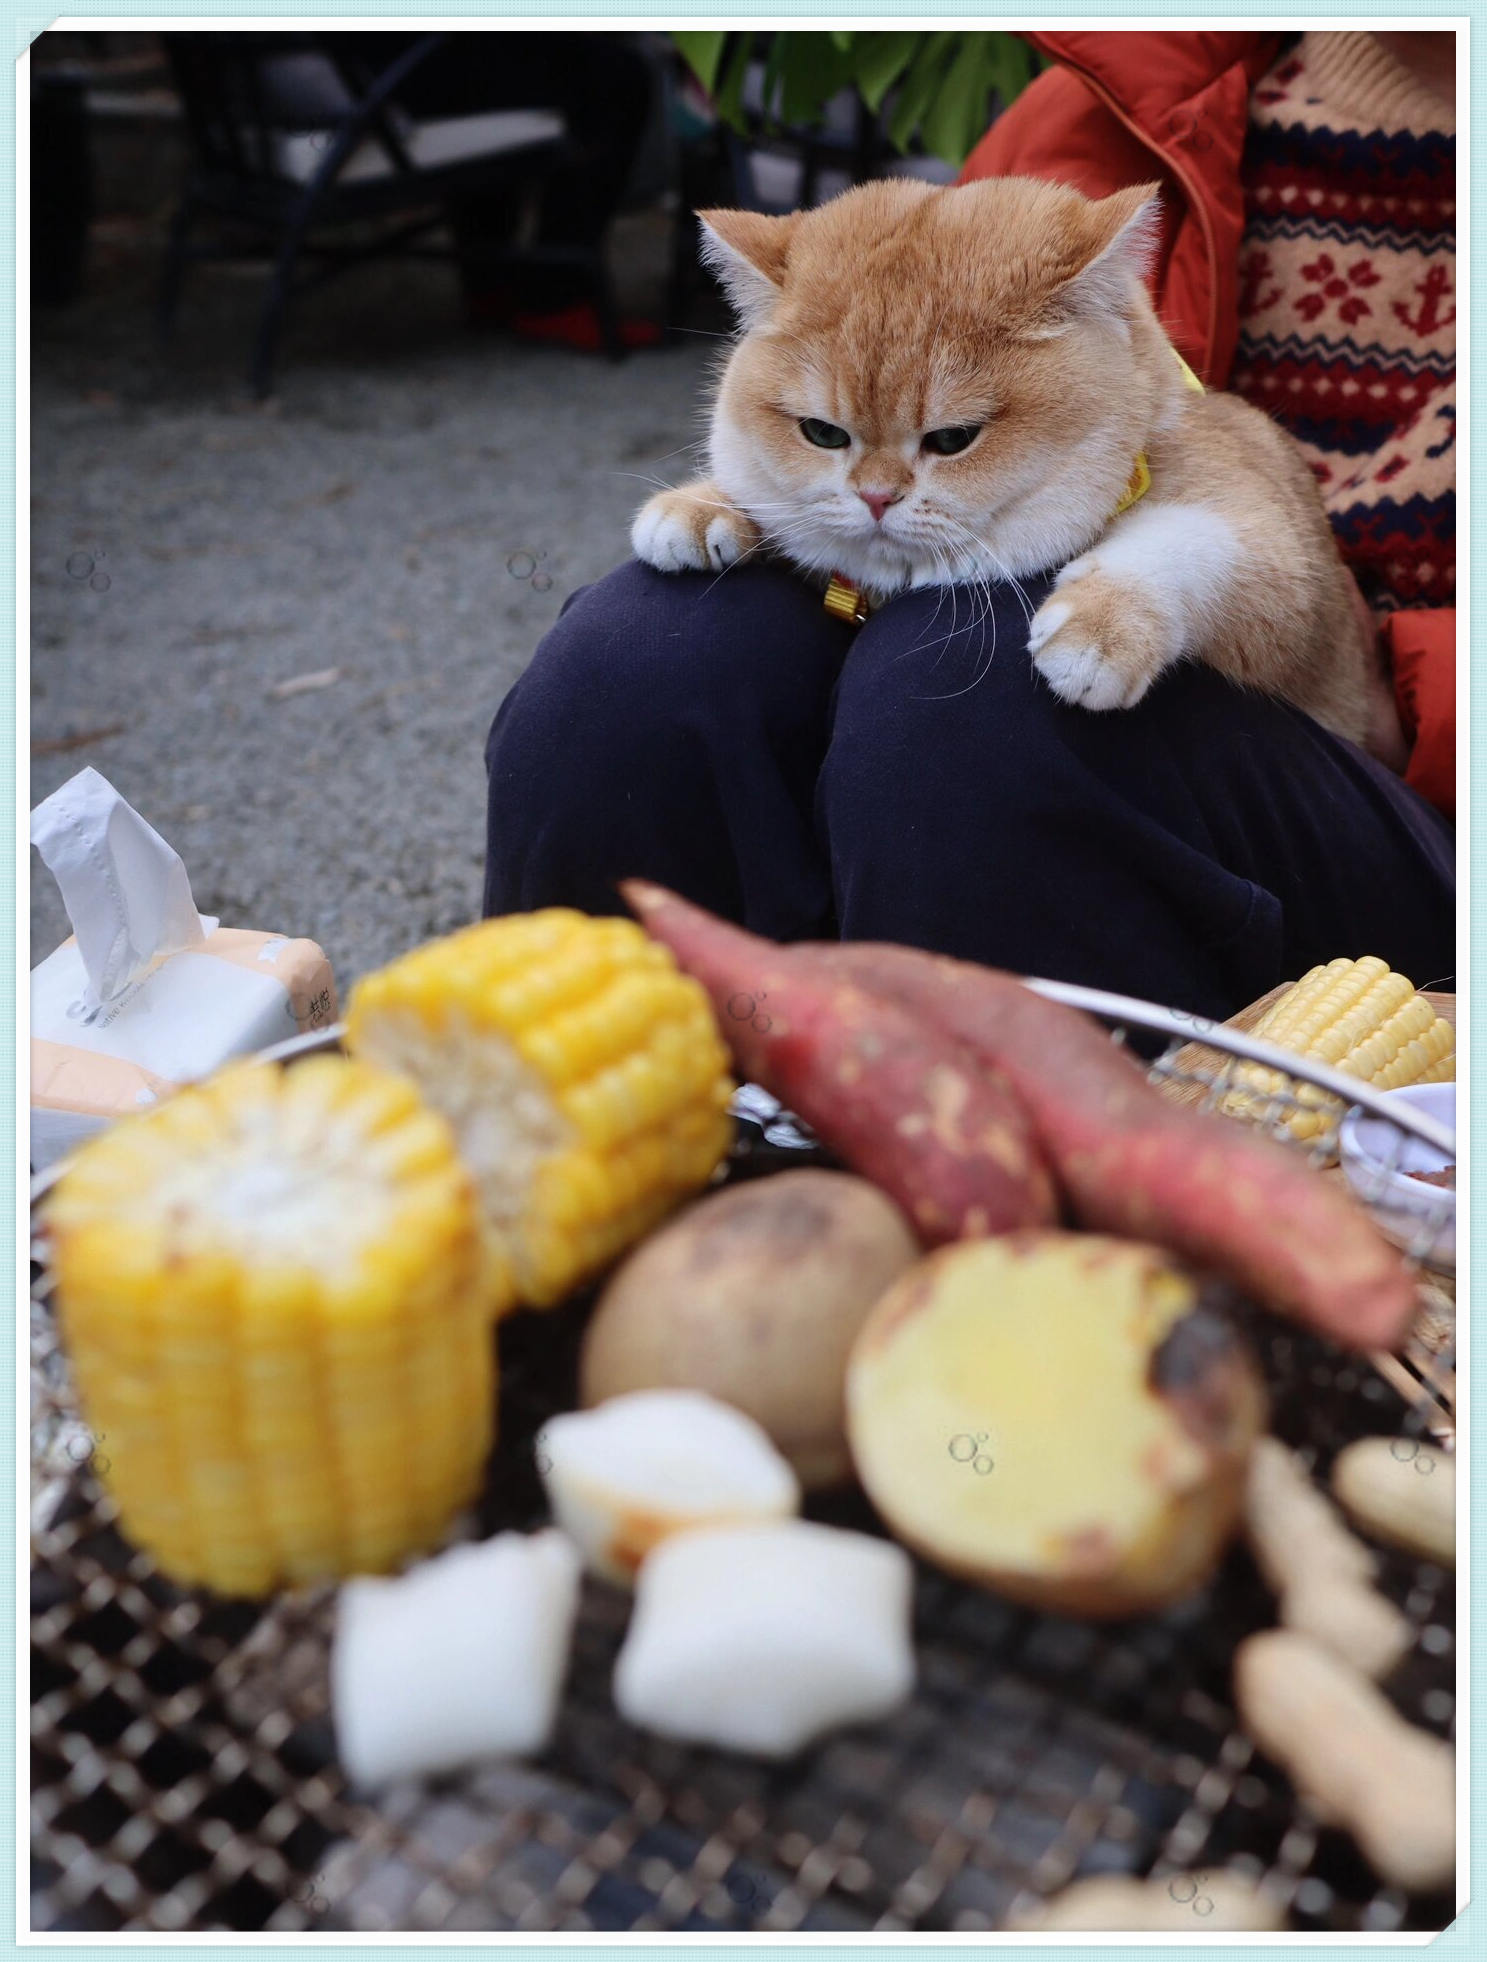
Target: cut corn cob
x,y
1358,1017
274,1296
583,1074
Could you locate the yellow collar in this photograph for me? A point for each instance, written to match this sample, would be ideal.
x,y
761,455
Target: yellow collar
x,y
1139,482
846,602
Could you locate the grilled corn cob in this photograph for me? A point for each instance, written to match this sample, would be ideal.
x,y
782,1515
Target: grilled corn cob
x,y
273,1293
1358,1017
584,1077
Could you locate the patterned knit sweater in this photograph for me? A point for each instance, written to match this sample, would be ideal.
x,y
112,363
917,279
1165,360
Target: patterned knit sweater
x,y
1347,301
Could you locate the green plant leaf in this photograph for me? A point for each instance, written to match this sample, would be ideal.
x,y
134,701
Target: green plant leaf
x,y
958,115
779,54
879,61
702,53
1020,65
728,100
842,40
1011,66
918,89
813,69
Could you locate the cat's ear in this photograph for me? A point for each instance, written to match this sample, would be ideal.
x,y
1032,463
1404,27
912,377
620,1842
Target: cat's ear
x,y
747,251
1117,245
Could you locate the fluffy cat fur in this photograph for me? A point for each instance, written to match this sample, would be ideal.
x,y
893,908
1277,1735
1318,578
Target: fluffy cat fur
x,y
1017,307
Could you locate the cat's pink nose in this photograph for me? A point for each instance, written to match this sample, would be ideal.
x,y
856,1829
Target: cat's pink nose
x,y
878,501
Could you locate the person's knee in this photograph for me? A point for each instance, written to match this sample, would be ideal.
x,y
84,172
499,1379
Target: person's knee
x,y
641,653
939,704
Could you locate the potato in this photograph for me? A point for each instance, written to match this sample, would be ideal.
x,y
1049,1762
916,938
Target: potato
x,y
1063,1417
755,1295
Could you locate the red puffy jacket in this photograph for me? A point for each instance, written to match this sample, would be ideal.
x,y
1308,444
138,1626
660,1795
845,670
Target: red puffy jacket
x,y
1119,109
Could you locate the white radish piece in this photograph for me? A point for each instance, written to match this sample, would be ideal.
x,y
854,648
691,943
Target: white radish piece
x,y
460,1659
759,1638
624,1476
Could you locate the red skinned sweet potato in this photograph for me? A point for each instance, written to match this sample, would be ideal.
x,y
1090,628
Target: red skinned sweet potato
x,y
1130,1162
904,1105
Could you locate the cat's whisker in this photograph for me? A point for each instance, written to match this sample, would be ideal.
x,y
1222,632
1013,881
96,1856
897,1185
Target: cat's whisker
x,y
977,587
681,449
1003,572
945,586
766,537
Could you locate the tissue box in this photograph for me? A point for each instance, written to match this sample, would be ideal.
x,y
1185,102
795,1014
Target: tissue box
x,y
184,1016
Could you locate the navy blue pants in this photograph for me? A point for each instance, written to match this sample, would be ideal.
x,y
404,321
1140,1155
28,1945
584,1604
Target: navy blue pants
x,y
915,780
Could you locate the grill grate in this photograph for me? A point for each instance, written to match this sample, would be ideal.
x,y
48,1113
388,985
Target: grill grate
x,y
184,1775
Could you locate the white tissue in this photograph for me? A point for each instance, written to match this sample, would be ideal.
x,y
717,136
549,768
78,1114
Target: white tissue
x,y
146,994
126,892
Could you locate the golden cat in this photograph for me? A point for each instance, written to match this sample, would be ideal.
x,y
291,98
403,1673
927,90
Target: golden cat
x,y
944,385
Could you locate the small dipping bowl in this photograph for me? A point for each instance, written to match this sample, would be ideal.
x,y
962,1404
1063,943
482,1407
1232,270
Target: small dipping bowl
x,y
1377,1161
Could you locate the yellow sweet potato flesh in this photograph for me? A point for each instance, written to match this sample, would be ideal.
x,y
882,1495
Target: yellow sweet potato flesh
x,y
1059,1416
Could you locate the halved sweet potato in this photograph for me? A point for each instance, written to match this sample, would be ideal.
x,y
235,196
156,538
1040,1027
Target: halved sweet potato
x,y
1063,1417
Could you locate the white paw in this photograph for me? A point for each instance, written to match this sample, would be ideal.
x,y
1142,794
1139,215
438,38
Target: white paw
x,y
1080,674
661,537
1077,569
728,539
1046,622
678,532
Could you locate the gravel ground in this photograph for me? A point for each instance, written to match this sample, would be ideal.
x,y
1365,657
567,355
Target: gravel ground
x,y
192,551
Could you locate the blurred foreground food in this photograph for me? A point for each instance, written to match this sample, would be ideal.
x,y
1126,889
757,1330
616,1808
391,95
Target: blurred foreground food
x,y
273,1296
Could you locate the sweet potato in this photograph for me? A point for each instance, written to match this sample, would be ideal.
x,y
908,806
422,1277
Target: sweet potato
x,y
1132,1163
906,1106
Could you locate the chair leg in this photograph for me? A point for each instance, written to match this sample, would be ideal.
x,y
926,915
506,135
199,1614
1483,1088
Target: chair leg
x,y
271,320
607,308
173,272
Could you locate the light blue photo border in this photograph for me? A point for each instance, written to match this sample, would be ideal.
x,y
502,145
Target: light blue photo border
x,y
25,23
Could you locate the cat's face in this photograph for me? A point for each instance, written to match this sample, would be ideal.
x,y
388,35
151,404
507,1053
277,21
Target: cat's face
x,y
935,385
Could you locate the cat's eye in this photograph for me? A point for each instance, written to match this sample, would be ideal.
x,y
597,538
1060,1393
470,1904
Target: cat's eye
x,y
825,435
950,442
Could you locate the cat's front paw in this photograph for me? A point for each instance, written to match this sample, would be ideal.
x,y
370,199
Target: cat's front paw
x,y
692,531
1098,641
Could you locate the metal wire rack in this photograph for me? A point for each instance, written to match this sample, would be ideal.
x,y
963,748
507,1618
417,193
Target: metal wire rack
x,y
184,1774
